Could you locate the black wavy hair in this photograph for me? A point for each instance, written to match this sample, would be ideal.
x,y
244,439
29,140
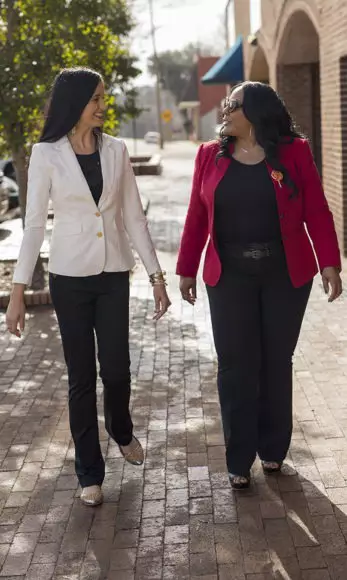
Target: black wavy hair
x,y
71,92
272,123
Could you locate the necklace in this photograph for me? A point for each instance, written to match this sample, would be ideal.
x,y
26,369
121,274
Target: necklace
x,y
248,150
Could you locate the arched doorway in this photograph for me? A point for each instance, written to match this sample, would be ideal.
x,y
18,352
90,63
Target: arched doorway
x,y
259,70
298,77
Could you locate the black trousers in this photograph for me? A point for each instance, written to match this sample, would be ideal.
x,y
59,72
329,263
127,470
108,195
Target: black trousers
x,y
83,306
256,318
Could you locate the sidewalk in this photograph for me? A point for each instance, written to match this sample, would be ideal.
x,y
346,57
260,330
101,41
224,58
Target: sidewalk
x,y
177,517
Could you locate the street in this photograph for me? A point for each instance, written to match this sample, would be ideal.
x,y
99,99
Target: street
x,y
175,518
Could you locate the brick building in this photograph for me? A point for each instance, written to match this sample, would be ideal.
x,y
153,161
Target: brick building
x,y
201,103
300,47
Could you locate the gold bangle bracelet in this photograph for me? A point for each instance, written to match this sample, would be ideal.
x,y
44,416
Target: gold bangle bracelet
x,y
157,278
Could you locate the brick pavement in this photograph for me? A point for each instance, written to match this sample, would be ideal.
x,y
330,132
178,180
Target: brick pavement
x,y
177,517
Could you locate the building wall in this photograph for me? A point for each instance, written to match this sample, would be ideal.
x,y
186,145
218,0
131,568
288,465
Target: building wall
x,y
304,43
210,96
208,125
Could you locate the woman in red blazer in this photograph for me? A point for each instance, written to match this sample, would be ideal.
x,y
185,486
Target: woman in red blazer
x,y
257,197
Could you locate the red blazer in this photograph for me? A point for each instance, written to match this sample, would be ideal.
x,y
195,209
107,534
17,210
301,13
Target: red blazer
x,y
309,208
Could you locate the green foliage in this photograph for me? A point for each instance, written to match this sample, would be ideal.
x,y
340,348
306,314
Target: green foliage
x,y
175,68
39,37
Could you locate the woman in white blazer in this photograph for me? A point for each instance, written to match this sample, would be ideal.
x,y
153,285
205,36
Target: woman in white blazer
x,y
96,204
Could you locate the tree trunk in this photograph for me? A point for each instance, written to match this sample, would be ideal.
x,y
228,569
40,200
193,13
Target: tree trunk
x,y
19,160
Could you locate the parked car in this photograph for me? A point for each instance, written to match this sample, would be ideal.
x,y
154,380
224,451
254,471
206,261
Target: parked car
x,y
9,194
152,137
7,167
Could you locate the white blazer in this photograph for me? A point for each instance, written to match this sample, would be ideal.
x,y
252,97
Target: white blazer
x,y
87,239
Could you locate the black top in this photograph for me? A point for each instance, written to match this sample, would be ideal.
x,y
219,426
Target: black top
x,y
245,206
91,168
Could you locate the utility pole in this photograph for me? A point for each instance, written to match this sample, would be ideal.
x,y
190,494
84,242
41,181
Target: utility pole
x,y
226,24
157,70
227,37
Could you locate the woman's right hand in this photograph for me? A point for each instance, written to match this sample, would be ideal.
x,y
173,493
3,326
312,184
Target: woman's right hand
x,y
15,315
188,289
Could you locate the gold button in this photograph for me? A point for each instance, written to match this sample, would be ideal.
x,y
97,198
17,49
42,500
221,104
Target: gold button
x,y
99,234
98,214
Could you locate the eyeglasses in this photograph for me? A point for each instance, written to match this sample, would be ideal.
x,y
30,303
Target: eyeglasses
x,y
232,105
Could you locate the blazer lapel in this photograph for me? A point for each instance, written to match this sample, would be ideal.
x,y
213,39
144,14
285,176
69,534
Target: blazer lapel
x,y
214,177
72,167
74,170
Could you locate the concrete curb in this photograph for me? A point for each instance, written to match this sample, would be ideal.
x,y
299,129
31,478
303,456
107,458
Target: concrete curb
x,y
147,165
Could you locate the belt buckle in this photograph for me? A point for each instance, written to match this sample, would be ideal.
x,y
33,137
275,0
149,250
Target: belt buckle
x,y
256,254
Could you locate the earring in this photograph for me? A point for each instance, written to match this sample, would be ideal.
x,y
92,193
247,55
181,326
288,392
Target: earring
x,y
73,131
250,132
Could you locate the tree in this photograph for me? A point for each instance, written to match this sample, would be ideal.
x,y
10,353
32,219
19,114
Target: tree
x,y
37,39
175,68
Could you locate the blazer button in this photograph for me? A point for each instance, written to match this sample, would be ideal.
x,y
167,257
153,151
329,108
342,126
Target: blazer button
x,y
98,214
99,234
281,216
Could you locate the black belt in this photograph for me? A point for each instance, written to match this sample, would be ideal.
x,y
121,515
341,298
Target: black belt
x,y
255,251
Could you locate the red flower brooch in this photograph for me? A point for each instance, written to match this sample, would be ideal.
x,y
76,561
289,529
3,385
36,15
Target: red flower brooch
x,y
277,176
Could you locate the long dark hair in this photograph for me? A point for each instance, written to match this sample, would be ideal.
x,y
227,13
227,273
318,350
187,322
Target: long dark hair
x,y
272,122
71,92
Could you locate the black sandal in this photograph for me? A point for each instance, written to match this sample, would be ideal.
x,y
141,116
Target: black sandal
x,y
239,482
270,467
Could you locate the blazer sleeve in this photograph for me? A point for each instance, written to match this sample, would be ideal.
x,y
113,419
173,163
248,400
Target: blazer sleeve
x,y
195,232
134,218
38,192
317,215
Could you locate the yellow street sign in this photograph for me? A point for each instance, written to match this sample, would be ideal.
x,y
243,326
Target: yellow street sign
x,y
166,115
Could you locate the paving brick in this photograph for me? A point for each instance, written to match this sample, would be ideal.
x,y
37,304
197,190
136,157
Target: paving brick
x,y
24,542
315,575
174,572
150,547
177,497
149,569
199,489
231,572
311,557
200,506
258,562
46,553
126,539
16,564
176,516
40,572
177,555
176,534
121,575
153,509
203,564
123,559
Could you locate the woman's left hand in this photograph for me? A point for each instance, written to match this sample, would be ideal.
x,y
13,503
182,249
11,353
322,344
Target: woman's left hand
x,y
332,281
161,301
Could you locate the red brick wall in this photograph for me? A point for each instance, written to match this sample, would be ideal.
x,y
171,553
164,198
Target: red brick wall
x,y
299,86
210,96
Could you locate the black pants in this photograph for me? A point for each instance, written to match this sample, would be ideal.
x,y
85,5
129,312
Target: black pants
x,y
256,318
84,305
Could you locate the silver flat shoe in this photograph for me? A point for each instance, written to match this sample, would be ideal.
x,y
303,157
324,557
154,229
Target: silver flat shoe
x,y
135,456
92,495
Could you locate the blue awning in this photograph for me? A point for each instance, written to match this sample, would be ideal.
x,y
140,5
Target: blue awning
x,y
228,69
